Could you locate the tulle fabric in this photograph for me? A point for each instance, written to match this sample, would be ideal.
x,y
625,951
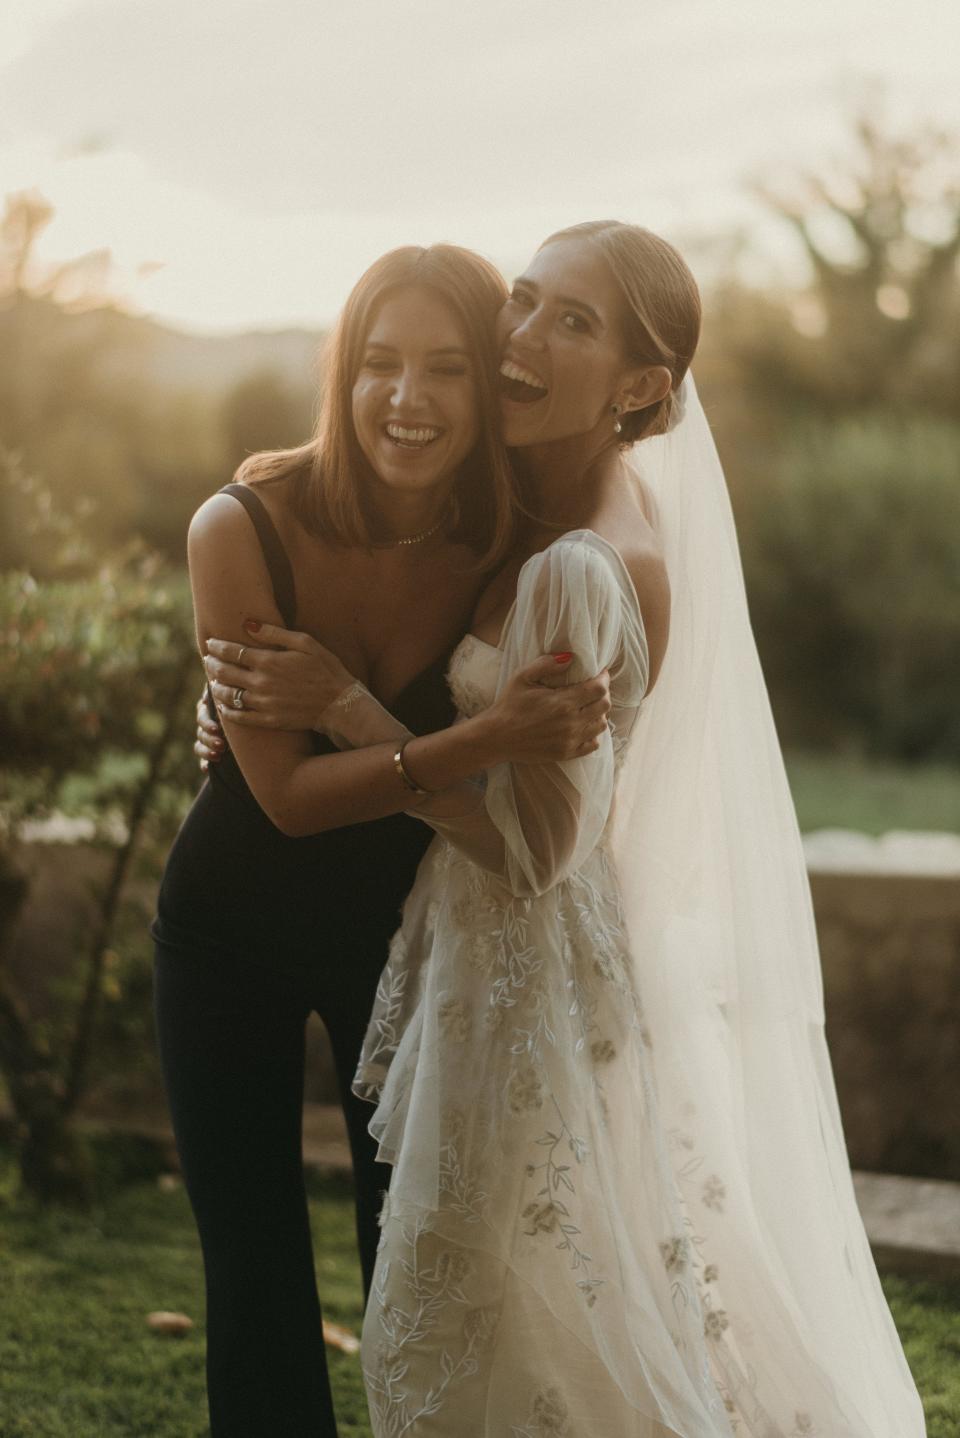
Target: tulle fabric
x,y
717,903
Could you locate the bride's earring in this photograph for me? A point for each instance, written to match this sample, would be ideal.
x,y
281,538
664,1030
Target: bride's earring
x,y
617,412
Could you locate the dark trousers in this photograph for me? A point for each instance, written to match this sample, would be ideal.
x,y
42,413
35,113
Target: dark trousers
x,y
231,1041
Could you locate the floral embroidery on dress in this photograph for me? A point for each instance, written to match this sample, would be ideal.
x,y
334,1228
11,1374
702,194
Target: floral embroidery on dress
x,y
452,1017
461,1192
548,1213
714,1192
524,1090
549,1417
384,1033
542,1217
715,1322
676,1254
483,953
470,695
410,1312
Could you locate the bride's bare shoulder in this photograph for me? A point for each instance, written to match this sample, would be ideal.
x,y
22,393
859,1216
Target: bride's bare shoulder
x,y
638,546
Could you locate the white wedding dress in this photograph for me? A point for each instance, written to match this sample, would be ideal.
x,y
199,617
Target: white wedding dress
x,y
614,1213
536,1275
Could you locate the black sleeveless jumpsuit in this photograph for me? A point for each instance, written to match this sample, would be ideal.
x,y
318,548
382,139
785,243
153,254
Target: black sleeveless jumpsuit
x,y
253,931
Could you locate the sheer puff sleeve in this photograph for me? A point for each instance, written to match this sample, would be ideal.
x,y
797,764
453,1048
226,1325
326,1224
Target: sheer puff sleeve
x,y
576,596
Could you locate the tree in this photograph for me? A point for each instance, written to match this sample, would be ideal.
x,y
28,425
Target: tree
x,y
881,235
262,411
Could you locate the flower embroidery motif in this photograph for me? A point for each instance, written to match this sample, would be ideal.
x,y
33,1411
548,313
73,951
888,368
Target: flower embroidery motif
x,y
542,1217
452,1266
550,1411
479,1325
461,1193
385,1028
549,1416
524,1090
714,1192
715,1321
676,1254
452,1017
413,1295
483,953
602,1051
548,1213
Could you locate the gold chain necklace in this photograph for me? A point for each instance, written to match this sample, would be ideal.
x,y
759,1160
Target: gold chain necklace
x,y
415,538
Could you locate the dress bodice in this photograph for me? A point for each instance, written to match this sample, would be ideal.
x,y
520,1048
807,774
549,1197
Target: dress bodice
x,y
473,675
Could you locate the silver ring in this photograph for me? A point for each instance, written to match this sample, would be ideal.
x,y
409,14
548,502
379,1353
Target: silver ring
x,y
243,650
237,700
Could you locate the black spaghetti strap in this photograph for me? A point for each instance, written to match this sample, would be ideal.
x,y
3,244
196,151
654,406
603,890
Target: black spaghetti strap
x,y
278,561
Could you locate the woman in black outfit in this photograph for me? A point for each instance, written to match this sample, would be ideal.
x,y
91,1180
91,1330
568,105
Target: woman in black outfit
x,y
374,538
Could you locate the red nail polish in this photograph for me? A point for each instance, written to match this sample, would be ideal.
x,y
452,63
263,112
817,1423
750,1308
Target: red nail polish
x,y
562,658
251,625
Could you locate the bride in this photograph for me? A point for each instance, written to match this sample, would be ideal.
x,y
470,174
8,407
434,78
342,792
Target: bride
x,y
620,1201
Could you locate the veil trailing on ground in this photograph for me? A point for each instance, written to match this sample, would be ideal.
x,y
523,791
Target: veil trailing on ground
x,y
722,933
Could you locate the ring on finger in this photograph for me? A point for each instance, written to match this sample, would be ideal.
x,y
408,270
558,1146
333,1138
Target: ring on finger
x,y
243,650
237,700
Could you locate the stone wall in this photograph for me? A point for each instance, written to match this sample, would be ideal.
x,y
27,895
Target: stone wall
x,y
890,947
890,950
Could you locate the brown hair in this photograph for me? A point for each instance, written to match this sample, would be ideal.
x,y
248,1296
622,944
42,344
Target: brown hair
x,y
661,313
332,497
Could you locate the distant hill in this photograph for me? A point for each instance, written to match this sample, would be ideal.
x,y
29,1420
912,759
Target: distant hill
x,y
144,352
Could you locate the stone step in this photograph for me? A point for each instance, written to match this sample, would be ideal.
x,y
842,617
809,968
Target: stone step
x,y
913,1223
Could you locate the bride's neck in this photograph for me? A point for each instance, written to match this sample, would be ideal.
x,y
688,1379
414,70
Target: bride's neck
x,y
567,479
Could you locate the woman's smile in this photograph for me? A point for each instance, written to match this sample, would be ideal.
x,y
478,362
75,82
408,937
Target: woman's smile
x,y
410,436
414,399
520,383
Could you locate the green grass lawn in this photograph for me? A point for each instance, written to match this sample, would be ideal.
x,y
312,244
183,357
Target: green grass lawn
x,y
76,1357
77,1360
832,791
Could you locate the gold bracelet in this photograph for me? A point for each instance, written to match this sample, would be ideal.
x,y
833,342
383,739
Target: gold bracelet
x,y
410,783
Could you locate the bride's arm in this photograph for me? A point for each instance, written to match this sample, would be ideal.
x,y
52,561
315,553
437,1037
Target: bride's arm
x,y
539,822
303,793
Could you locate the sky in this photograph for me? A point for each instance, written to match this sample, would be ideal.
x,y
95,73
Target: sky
x,y
245,161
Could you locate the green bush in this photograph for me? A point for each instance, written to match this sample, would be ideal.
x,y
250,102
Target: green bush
x,y
852,561
98,677
88,669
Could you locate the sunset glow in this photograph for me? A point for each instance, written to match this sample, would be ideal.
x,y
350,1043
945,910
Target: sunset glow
x,y
244,162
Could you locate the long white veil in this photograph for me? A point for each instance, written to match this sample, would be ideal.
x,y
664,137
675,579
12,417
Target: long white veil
x,y
722,932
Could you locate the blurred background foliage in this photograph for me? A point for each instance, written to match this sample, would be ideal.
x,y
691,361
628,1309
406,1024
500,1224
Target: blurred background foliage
x,y
836,406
